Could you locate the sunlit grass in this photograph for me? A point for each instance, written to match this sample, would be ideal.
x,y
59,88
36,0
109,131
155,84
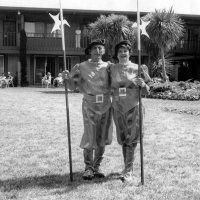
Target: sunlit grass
x,y
34,163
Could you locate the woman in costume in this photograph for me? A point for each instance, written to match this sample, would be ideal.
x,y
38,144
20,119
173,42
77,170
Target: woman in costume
x,y
125,85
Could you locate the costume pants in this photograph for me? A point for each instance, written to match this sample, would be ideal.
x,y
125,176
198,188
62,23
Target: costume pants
x,y
90,162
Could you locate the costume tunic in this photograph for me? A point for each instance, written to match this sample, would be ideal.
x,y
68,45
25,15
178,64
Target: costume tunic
x,y
126,108
92,79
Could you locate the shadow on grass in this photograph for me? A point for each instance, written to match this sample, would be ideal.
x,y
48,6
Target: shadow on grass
x,y
51,182
57,92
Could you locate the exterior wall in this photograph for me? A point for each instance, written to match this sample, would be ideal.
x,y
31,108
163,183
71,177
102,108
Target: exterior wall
x,y
31,62
196,70
1,31
28,69
74,61
1,64
176,68
13,65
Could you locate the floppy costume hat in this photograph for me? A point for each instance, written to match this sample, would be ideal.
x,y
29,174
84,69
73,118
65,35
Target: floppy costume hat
x,y
94,42
124,43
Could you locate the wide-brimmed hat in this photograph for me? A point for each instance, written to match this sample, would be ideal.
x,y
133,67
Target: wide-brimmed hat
x,y
124,43
92,43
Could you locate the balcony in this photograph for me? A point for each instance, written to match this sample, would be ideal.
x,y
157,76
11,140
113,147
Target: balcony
x,y
40,43
187,47
52,44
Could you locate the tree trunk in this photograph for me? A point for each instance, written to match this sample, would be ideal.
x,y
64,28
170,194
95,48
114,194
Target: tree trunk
x,y
165,77
23,58
19,74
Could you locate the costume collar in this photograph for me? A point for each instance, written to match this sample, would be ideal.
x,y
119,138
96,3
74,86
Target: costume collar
x,y
90,61
126,63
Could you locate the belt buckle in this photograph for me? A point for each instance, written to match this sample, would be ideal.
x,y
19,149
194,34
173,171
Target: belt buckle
x,y
122,92
99,98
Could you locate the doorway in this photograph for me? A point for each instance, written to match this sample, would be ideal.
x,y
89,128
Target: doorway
x,y
43,65
1,64
71,61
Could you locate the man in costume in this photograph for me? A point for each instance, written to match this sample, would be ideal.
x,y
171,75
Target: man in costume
x,y
92,79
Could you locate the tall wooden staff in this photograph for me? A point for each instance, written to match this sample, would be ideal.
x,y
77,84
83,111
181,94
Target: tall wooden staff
x,y
140,99
139,30
66,94
59,24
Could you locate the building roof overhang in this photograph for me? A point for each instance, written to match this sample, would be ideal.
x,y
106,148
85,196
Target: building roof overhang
x,y
189,7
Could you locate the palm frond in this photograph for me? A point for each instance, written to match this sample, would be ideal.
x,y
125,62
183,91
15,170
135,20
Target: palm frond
x,y
157,66
100,28
113,28
166,27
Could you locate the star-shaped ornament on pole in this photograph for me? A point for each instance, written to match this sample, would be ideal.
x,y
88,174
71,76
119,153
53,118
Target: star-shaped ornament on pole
x,y
142,27
57,25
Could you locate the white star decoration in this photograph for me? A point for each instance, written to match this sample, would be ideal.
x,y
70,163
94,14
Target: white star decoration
x,y
142,27
57,25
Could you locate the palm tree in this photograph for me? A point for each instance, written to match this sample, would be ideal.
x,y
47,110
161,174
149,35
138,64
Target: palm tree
x,y
165,30
113,28
157,67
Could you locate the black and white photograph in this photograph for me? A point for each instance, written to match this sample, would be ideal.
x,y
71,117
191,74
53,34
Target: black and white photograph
x,y
100,100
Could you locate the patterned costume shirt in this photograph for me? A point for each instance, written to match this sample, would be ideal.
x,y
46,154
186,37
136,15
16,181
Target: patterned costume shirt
x,y
126,105
93,81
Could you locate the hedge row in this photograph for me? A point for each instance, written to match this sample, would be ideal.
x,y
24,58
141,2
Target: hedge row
x,y
175,90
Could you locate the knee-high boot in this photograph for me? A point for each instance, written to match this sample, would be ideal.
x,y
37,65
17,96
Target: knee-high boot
x,y
124,157
97,161
124,153
128,171
88,160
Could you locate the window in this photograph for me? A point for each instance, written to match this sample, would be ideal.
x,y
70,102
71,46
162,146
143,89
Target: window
x,y
40,29
30,29
9,33
56,33
34,29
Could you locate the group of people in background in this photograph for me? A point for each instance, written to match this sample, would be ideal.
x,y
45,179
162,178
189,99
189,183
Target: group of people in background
x,y
99,81
47,80
6,80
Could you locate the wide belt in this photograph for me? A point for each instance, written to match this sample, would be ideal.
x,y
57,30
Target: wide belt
x,y
124,91
98,98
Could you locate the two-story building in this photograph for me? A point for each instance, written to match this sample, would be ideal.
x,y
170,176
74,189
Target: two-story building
x,y
44,49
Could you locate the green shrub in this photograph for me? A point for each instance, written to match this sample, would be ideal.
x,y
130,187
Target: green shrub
x,y
189,91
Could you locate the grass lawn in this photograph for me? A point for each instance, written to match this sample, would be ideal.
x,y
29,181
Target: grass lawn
x,y
34,162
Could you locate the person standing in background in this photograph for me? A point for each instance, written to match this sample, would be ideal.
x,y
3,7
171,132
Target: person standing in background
x,y
78,37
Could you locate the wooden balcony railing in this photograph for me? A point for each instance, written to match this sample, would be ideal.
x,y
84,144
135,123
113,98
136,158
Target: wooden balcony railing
x,y
52,42
185,46
43,35
44,44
